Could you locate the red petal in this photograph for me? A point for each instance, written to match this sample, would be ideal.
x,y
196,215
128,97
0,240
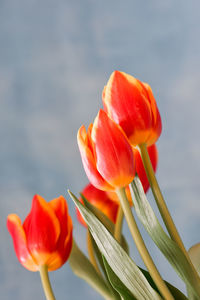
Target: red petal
x,y
59,257
59,206
42,230
20,244
114,155
125,101
156,119
88,160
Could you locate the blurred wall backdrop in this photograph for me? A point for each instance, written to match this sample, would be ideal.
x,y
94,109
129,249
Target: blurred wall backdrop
x,y
55,58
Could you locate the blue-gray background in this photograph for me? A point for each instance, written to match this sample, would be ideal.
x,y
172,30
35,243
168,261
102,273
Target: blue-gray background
x,y
55,58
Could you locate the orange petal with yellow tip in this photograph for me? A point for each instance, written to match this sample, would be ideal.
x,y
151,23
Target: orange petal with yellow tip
x,y
125,101
88,159
114,155
60,256
42,230
64,244
156,119
20,243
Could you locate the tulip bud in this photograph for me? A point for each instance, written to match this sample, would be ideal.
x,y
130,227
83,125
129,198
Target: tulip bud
x,y
106,154
131,104
45,238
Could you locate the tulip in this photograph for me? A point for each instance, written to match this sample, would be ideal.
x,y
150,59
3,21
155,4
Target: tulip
x,y
100,200
45,238
106,154
131,104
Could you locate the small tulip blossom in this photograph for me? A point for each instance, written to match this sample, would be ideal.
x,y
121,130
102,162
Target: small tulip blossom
x,y
45,238
106,154
131,104
100,200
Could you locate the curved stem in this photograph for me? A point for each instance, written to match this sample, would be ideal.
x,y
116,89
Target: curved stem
x,y
118,225
91,252
46,283
141,246
169,223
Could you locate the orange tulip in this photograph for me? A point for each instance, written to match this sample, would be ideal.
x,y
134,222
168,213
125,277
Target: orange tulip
x,y
153,154
45,238
106,154
131,104
100,200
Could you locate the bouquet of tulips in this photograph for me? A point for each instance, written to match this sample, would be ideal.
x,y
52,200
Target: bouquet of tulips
x,y
120,158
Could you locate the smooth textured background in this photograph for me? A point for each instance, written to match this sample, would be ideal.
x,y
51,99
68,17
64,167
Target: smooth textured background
x,y
55,58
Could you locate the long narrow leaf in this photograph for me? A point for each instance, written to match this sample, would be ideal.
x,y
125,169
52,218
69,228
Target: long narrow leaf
x,y
178,295
82,267
110,226
121,264
167,246
117,284
102,265
105,221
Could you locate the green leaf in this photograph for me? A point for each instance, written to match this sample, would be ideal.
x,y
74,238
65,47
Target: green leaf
x,y
178,295
100,260
167,246
105,221
117,284
82,267
121,264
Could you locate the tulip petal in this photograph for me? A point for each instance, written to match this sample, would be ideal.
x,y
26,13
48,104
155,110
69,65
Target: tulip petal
x,y
59,257
156,119
114,155
59,206
88,160
125,101
101,200
64,244
20,243
42,230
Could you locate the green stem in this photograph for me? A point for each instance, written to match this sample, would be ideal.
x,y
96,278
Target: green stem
x,y
91,252
118,225
46,283
141,246
169,223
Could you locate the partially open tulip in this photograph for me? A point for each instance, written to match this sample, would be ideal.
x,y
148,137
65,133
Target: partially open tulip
x,y
153,155
100,200
45,238
131,104
106,154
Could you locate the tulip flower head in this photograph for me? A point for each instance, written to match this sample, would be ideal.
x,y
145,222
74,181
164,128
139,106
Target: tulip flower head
x,y
100,200
131,104
45,238
106,154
